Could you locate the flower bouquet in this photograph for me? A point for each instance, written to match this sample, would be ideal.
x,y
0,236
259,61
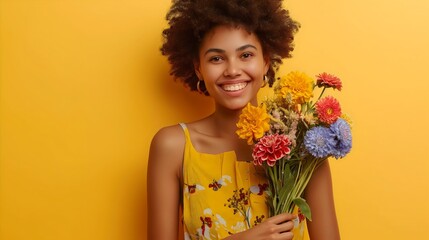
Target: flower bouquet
x,y
292,136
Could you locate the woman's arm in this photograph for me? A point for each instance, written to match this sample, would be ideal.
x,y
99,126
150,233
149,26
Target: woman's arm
x,y
319,196
163,183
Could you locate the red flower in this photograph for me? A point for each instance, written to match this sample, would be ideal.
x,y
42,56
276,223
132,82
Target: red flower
x,y
262,188
192,188
328,109
205,221
215,185
300,215
271,148
329,80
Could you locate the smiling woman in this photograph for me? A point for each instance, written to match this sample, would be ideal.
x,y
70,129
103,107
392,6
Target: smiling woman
x,y
202,167
84,88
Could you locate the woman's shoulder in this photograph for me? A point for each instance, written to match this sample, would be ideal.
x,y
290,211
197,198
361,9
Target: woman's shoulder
x,y
170,138
166,151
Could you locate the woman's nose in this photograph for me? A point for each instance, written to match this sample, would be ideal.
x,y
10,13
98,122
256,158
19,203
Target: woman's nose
x,y
232,69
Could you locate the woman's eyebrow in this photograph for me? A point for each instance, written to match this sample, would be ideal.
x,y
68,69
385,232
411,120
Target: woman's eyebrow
x,y
215,50
218,50
245,46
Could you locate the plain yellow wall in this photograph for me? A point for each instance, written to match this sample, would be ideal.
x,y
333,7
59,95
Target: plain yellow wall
x,y
84,88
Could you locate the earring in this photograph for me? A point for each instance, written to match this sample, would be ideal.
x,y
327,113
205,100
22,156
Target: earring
x,y
198,86
265,81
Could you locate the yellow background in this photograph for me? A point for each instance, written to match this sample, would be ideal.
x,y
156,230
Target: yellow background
x,y
84,88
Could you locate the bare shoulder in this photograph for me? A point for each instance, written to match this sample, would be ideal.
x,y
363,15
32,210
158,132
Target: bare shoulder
x,y
169,138
166,149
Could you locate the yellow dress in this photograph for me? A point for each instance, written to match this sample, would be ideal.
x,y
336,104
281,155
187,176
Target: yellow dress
x,y
222,196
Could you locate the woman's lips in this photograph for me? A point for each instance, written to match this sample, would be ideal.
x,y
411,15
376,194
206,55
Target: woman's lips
x,y
234,86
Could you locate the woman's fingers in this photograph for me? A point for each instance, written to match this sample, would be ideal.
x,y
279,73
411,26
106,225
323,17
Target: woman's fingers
x,y
278,227
286,235
285,227
281,218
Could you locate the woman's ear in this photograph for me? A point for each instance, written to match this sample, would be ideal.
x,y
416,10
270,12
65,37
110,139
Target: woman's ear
x,y
197,69
267,64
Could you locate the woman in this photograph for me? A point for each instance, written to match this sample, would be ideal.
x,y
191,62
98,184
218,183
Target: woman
x,y
228,50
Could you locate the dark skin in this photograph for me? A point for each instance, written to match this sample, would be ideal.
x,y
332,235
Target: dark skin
x,y
237,63
319,195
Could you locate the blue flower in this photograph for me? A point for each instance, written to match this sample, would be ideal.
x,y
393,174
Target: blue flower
x,y
341,132
319,142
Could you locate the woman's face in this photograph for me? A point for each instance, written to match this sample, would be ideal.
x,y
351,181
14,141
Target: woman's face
x,y
232,66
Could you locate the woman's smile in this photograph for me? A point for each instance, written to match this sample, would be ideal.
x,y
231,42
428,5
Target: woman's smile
x,y
233,87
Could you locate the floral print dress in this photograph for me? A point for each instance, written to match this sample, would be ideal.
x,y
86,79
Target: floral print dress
x,y
222,196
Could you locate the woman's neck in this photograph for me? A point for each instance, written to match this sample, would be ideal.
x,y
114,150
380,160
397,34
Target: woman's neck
x,y
225,121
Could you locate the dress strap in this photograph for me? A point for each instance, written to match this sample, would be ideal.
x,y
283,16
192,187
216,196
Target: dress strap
x,y
186,132
183,125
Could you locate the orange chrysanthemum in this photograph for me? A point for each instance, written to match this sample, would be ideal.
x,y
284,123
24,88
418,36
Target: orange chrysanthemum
x,y
253,123
297,85
328,109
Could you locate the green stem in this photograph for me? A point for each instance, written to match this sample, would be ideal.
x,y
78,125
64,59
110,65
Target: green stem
x,y
247,221
321,94
304,178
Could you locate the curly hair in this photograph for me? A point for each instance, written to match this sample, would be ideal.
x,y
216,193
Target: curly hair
x,y
190,20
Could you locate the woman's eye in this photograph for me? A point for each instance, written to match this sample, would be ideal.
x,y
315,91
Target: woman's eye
x,y
215,59
246,55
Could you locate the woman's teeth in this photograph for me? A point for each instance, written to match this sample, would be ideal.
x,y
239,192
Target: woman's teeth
x,y
234,87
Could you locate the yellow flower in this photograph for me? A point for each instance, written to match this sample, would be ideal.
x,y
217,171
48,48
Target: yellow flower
x,y
310,119
253,123
347,118
296,85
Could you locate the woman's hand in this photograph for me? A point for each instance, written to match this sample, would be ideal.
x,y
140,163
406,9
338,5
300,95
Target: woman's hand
x,y
277,227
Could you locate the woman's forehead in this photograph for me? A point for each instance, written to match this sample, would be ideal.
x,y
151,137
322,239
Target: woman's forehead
x,y
229,38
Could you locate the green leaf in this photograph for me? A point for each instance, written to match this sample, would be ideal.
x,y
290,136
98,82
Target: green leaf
x,y
302,204
275,201
288,184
